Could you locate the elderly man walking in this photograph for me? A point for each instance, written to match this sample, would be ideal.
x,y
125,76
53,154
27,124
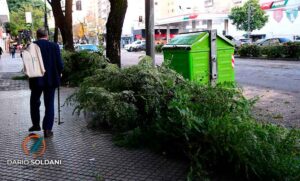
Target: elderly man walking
x,y
47,84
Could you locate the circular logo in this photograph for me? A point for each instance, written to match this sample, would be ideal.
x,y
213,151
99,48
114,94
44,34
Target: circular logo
x,y
34,145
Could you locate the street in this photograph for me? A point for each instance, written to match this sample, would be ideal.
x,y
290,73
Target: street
x,y
85,154
275,75
265,74
276,83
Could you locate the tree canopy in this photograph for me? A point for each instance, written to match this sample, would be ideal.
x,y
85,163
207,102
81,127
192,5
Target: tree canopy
x,y
15,5
239,16
17,16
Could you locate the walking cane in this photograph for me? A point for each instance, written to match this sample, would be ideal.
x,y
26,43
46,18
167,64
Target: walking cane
x,y
58,104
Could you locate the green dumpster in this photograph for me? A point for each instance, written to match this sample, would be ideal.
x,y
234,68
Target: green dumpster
x,y
190,55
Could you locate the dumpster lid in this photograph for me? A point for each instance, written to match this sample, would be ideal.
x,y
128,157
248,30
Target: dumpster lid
x,y
180,47
186,39
191,38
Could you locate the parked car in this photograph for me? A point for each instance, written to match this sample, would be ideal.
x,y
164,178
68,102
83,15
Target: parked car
x,y
236,42
272,41
136,46
245,41
87,47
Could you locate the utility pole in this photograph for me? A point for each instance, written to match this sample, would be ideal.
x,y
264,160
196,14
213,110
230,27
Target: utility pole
x,y
249,20
149,28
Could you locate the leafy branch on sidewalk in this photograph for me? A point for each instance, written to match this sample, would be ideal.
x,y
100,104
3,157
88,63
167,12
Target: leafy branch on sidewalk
x,y
155,107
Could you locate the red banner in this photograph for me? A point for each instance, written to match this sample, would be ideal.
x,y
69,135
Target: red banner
x,y
265,6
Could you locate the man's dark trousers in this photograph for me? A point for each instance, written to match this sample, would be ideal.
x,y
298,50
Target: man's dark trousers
x,y
49,94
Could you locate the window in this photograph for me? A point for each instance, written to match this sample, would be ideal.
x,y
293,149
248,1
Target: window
x,y
208,3
78,5
275,41
266,43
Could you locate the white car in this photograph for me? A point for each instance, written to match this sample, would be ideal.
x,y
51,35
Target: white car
x,y
135,46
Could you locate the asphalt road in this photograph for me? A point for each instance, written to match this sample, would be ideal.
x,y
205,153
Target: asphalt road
x,y
270,74
275,75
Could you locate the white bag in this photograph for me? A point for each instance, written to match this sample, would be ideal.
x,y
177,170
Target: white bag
x,y
33,61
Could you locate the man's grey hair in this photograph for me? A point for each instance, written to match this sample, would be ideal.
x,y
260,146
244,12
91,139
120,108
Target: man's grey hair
x,y
41,33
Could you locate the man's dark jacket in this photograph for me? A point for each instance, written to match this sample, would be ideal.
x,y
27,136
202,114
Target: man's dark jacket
x,y
52,63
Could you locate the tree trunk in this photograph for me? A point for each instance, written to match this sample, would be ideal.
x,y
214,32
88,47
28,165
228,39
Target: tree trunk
x,y
68,26
114,30
64,22
55,34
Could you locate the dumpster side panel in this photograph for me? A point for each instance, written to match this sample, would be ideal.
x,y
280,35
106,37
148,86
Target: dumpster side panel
x,y
225,69
199,62
179,62
199,66
224,55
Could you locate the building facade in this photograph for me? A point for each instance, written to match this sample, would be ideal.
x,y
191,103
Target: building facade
x,y
213,14
85,20
177,16
4,18
284,20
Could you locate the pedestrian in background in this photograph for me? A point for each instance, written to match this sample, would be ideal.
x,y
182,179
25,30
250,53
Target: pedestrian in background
x,y
13,51
47,84
1,51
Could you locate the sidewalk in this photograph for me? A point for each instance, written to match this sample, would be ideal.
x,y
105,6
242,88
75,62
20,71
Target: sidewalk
x,y
8,64
85,154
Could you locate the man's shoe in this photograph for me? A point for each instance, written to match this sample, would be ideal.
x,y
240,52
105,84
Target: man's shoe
x,y
34,128
48,133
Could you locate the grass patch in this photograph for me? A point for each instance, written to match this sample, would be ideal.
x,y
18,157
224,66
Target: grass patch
x,y
20,77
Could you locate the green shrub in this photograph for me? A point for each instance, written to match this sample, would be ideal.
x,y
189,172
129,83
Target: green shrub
x,y
211,126
287,50
158,48
274,51
79,65
20,77
292,50
249,51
